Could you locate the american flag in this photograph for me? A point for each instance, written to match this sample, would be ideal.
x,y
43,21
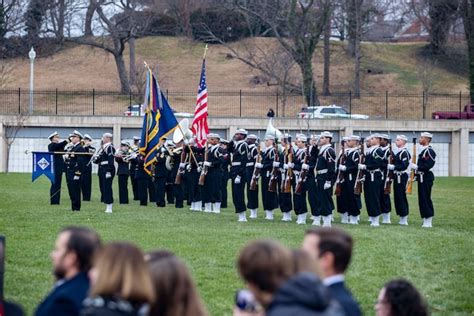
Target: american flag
x,y
199,126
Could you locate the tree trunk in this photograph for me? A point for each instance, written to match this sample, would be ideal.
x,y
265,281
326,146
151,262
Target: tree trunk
x,y
89,15
357,54
327,57
122,72
62,9
468,20
351,26
309,87
132,66
440,18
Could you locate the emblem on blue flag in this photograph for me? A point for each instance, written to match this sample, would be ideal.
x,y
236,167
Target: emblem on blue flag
x,y
43,163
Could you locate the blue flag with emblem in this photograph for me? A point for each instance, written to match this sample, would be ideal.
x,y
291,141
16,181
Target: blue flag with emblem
x,y
43,163
158,123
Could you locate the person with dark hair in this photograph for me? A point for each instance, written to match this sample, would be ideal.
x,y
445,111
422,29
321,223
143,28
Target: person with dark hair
x,y
120,283
400,298
175,291
270,113
281,282
332,250
72,260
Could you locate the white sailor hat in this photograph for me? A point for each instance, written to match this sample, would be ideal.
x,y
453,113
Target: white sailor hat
x,y
107,135
301,137
426,134
402,137
252,136
345,138
87,136
269,137
169,142
213,135
125,143
326,134
52,135
223,141
375,135
384,136
241,131
314,136
353,137
76,133
136,138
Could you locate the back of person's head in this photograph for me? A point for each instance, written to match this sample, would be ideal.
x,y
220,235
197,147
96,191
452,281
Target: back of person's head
x,y
266,264
84,243
335,241
401,298
120,271
176,293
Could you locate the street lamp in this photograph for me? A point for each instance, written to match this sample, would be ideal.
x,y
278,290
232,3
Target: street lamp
x,y
32,55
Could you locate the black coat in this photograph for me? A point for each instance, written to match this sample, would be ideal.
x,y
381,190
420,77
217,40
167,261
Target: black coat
x,y
66,299
106,306
344,297
303,295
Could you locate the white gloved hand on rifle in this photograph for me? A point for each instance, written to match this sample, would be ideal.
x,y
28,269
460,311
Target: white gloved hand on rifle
x,y
291,165
108,175
342,168
305,166
276,164
76,177
413,166
362,167
237,180
390,167
182,165
207,163
327,185
258,165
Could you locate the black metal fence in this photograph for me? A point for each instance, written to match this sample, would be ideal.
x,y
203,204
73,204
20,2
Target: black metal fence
x,y
384,105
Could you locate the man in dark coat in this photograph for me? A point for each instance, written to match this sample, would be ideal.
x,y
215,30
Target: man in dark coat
x,y
75,161
59,167
86,183
332,249
72,259
106,172
239,150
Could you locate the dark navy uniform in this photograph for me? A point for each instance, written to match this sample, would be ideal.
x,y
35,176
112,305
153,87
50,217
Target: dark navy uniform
x,y
133,167
351,201
341,206
106,172
86,183
239,152
252,195
123,172
373,183
285,200
310,184
59,169
325,174
161,175
144,181
299,200
211,189
401,161
425,178
193,171
178,191
74,169
385,205
269,199
225,178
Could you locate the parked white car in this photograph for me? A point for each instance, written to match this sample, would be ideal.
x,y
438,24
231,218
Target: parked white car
x,y
330,111
136,110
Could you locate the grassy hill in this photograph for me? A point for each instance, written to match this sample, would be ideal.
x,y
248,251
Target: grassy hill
x,y
385,67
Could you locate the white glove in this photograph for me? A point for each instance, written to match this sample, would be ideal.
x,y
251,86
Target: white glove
x,y
390,167
108,175
259,165
76,177
413,166
207,164
305,166
342,168
276,164
186,142
291,165
285,166
199,169
188,168
237,180
327,185
362,167
182,165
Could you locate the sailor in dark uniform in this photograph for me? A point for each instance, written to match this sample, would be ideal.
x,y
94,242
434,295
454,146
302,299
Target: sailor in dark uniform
x,y
193,170
178,191
160,176
269,199
211,194
59,167
299,200
325,174
284,198
123,171
385,203
373,179
86,182
350,169
105,160
425,177
239,149
400,165
74,169
310,183
133,164
225,173
252,195
145,186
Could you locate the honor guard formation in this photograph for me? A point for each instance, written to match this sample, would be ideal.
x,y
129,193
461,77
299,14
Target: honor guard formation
x,y
282,173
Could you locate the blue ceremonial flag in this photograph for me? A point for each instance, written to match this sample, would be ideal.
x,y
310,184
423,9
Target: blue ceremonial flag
x,y
158,123
43,163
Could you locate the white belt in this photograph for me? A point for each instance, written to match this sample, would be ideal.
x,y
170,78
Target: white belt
x,y
249,164
372,172
238,163
322,171
104,162
399,176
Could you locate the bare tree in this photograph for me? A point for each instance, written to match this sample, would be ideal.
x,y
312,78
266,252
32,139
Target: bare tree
x,y
327,57
12,128
467,13
12,16
6,72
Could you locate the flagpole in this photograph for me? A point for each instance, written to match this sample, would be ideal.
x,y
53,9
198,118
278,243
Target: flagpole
x,y
59,152
205,51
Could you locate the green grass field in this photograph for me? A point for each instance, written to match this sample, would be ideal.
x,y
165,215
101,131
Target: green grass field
x,y
440,261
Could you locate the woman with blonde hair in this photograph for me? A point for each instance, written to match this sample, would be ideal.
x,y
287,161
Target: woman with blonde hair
x,y
176,293
121,284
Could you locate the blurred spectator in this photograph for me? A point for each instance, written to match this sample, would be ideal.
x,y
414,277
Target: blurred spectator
x,y
332,250
176,293
10,309
121,284
400,298
268,268
72,260
270,113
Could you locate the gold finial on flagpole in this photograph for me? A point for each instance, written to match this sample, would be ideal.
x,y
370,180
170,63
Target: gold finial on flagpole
x,y
205,51
146,65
